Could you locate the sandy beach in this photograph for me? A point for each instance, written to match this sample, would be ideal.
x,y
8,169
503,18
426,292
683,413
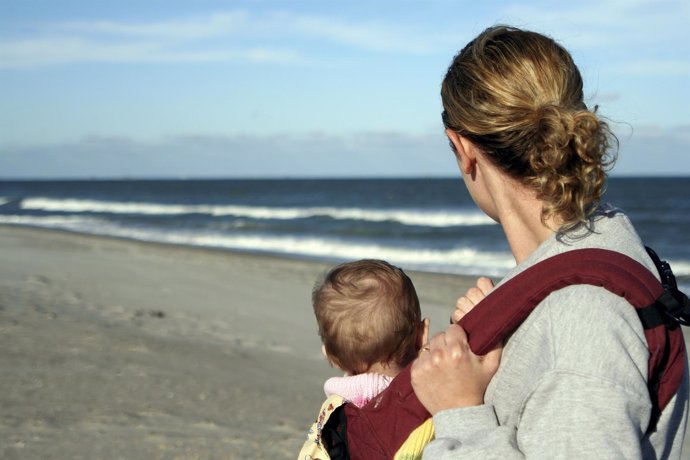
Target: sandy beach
x,y
115,349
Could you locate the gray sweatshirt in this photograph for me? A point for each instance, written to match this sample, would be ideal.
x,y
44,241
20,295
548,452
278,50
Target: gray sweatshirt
x,y
573,378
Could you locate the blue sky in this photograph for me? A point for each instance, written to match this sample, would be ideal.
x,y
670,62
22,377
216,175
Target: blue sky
x,y
305,88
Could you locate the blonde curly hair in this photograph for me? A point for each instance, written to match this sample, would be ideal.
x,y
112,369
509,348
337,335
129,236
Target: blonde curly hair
x,y
517,95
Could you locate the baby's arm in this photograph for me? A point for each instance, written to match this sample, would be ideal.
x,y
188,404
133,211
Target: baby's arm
x,y
471,298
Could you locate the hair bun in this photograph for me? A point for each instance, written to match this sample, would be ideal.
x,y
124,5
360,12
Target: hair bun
x,y
562,136
569,159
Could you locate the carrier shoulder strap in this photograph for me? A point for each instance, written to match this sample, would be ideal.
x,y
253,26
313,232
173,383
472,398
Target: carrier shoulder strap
x,y
661,308
381,426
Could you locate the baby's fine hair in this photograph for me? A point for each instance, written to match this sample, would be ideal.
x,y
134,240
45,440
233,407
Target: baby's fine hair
x,y
368,312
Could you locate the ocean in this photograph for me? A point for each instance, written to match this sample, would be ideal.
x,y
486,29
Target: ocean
x,y
419,224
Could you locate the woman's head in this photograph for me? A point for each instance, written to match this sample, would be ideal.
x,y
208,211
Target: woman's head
x,y
517,95
368,313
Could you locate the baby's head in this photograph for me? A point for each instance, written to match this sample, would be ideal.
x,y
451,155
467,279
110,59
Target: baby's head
x,y
368,315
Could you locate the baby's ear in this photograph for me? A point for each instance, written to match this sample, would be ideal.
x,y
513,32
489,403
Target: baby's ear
x,y
423,333
323,352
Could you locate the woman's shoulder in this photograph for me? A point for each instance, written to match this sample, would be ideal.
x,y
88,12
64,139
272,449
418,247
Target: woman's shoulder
x,y
584,325
592,330
579,330
583,307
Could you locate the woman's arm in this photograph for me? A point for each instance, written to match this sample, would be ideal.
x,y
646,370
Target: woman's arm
x,y
575,386
567,416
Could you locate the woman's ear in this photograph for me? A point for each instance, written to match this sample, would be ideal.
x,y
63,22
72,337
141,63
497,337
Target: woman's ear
x,y
464,151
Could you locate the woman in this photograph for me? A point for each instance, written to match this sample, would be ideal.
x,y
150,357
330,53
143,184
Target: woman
x,y
534,158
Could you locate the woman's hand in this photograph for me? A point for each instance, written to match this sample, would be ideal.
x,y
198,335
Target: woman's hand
x,y
472,297
447,374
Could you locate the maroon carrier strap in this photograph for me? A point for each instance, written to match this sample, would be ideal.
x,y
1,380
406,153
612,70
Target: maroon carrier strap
x,y
599,267
378,429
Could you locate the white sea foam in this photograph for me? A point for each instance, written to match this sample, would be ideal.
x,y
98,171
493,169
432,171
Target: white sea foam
x,y
76,223
457,260
680,267
114,207
408,217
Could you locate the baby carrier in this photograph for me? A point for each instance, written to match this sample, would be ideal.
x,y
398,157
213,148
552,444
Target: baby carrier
x,y
396,418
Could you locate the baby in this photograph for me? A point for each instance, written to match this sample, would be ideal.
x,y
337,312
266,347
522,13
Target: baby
x,y
370,326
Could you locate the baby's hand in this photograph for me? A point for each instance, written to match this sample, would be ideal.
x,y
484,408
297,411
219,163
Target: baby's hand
x,y
471,298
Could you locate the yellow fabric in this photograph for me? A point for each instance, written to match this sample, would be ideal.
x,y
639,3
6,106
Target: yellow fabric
x,y
312,448
414,445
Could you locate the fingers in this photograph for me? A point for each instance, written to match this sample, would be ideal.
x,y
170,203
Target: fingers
x,y
472,297
450,343
477,293
485,285
450,375
454,344
453,341
455,335
438,341
456,350
462,307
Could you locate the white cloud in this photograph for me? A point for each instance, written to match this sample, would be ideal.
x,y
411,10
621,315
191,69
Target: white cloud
x,y
647,151
654,150
60,50
196,27
642,29
602,23
220,36
374,36
279,155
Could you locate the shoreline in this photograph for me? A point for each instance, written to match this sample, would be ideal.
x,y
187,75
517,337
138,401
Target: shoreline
x,y
325,261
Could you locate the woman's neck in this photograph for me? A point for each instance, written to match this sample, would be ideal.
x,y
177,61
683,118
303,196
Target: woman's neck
x,y
508,201
524,236
519,213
